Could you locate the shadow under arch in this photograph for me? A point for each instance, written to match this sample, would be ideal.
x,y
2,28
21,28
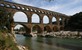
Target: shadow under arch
x,y
61,28
36,29
55,28
54,20
47,28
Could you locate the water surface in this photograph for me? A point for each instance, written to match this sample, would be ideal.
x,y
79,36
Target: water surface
x,y
38,43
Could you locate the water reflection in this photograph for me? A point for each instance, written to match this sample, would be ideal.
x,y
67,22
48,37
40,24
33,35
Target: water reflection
x,y
37,43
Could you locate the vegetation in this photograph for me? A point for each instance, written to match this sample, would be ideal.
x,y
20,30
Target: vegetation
x,y
6,41
75,22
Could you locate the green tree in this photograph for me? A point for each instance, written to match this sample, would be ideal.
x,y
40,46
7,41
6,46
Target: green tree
x,y
4,19
75,22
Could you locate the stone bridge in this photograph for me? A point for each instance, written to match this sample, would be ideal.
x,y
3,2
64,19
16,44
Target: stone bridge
x,y
29,11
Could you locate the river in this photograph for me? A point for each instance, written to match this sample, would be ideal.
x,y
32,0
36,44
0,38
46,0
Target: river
x,y
38,43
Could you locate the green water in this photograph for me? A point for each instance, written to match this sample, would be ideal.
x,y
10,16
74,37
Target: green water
x,y
38,43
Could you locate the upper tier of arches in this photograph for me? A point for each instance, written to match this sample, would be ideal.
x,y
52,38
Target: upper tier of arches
x,y
30,8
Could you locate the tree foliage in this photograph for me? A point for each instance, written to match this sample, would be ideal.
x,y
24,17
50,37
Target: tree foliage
x,y
75,22
4,19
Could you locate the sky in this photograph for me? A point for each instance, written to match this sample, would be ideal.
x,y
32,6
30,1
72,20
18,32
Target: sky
x,y
68,7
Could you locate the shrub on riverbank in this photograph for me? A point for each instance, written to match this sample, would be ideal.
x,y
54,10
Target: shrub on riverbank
x,y
6,42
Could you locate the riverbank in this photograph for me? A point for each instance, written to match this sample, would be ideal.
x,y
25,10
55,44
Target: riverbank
x,y
8,42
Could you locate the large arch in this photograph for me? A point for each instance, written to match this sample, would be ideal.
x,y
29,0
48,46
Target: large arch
x,y
37,29
20,18
54,20
47,28
35,18
26,29
45,19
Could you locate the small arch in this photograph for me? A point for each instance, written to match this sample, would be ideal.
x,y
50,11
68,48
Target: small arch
x,y
55,28
47,29
35,18
39,11
27,8
2,5
45,19
42,11
31,9
18,7
35,10
13,6
60,21
54,20
23,8
7,5
36,29
20,18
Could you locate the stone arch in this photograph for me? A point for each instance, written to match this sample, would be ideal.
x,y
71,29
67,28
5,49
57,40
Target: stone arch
x,y
23,8
45,19
2,4
20,18
37,29
60,19
55,28
27,8
18,7
31,9
39,11
35,18
54,20
8,5
13,6
47,28
27,30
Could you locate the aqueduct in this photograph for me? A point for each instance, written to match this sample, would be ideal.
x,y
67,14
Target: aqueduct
x,y
29,11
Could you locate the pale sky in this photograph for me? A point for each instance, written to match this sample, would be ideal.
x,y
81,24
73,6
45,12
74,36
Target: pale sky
x,y
68,7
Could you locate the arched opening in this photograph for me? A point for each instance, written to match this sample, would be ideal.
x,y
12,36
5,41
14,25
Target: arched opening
x,y
45,20
22,29
60,21
36,29
35,18
47,29
54,21
20,17
55,28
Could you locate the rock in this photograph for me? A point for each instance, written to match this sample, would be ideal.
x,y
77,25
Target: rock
x,y
22,47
